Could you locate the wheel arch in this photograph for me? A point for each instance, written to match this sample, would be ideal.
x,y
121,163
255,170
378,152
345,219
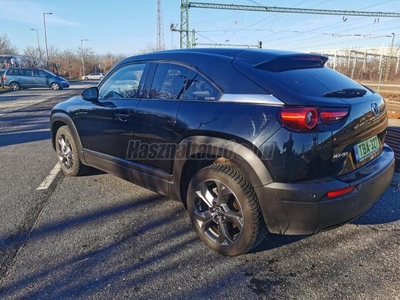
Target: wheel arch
x,y
196,152
60,119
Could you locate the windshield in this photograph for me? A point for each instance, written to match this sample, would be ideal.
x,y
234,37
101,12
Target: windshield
x,y
52,74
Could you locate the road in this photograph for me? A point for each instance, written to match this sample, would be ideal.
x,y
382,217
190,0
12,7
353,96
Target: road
x,y
99,237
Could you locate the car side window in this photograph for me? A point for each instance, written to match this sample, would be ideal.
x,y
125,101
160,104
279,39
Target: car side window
x,y
169,81
123,83
14,72
25,72
199,88
40,73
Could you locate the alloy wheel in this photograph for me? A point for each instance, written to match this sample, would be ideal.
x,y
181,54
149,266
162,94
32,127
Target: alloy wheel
x,y
218,212
65,152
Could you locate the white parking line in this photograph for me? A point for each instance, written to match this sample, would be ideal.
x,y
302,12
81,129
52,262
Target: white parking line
x,y
49,179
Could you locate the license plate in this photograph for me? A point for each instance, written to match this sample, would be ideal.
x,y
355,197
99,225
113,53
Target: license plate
x,y
366,148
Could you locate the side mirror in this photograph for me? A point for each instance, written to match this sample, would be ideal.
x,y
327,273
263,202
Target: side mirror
x,y
91,94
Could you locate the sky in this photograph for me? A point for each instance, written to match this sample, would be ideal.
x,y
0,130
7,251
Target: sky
x,y
130,26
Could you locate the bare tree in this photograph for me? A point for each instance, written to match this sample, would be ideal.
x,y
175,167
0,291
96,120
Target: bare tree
x,y
108,60
54,65
35,55
69,63
6,47
150,47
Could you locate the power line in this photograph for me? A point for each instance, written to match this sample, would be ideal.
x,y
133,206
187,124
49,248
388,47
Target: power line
x,y
185,5
314,29
291,10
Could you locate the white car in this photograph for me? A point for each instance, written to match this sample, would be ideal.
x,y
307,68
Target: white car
x,y
93,76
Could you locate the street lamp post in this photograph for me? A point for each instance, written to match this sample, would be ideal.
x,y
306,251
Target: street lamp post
x,y
38,43
45,38
83,62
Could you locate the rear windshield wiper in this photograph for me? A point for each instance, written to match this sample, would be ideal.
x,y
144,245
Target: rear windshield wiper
x,y
346,93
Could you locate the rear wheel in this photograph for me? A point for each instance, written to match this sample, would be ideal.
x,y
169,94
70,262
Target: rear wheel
x,y
15,86
67,153
224,210
55,86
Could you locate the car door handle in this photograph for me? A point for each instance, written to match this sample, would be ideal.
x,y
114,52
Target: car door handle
x,y
122,117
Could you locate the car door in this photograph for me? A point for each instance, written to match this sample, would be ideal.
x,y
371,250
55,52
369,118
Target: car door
x,y
106,126
155,136
40,78
25,78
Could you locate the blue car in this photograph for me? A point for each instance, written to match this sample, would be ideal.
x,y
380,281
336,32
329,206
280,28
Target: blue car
x,y
17,78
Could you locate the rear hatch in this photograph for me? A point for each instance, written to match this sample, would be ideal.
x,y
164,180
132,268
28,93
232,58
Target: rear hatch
x,y
362,136
355,115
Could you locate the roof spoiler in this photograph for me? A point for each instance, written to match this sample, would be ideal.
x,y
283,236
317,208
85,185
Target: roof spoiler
x,y
293,62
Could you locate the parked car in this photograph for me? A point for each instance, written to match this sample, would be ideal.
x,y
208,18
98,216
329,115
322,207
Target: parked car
x,y
250,140
93,76
17,78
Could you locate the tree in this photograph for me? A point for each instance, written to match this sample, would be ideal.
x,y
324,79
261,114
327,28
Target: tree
x,y
150,47
6,47
107,61
36,56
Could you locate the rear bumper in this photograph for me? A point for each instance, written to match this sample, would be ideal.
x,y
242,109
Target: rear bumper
x,y
304,208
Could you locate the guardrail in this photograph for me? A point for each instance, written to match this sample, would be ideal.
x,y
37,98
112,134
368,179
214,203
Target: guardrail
x,y
393,140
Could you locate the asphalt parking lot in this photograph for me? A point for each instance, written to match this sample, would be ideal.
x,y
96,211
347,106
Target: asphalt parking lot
x,y
99,237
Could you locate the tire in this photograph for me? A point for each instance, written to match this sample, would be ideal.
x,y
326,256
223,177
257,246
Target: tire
x,y
15,86
55,86
86,78
230,221
67,153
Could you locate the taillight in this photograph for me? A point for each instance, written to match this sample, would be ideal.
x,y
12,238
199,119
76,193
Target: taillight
x,y
333,115
4,77
299,118
341,192
307,118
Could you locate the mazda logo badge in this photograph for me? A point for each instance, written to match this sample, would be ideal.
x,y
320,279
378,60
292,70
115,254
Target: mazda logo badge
x,y
375,109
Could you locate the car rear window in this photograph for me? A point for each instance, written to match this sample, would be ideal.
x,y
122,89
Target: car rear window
x,y
303,74
316,81
310,81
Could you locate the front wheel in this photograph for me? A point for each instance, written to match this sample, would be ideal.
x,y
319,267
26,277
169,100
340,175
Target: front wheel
x,y
224,210
67,153
55,86
15,86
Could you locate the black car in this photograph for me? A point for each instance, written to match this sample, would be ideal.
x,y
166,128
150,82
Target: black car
x,y
251,141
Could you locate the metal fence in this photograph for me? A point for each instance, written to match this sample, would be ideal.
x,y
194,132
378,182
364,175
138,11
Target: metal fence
x,y
393,140
366,64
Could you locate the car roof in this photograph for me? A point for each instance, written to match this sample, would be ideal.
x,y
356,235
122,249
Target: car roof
x,y
22,68
253,56
218,64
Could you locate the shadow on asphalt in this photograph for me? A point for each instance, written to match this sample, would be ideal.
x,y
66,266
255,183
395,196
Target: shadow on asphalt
x,y
94,255
386,210
24,126
273,241
138,256
10,97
